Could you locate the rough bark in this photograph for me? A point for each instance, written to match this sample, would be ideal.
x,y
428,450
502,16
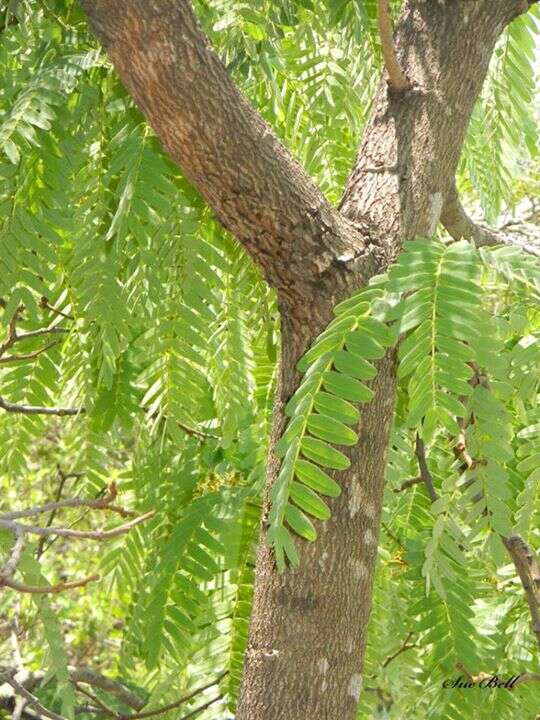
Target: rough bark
x,y
308,628
256,188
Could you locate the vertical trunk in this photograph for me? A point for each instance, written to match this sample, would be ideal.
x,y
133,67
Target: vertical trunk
x,y
309,625
308,628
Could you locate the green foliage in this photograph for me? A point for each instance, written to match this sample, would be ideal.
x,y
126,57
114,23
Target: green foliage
x,y
321,413
167,337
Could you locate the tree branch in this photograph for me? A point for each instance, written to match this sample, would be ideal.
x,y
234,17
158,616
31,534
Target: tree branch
x,y
86,676
230,154
396,76
47,589
103,503
459,226
38,409
8,676
420,451
405,646
528,569
79,534
113,687
177,703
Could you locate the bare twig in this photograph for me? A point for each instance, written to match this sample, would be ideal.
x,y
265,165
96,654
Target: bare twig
x,y
113,687
181,701
79,534
9,677
407,484
27,356
405,646
47,589
104,708
392,536
9,521
425,474
11,565
396,76
201,708
103,503
45,304
86,676
37,410
64,477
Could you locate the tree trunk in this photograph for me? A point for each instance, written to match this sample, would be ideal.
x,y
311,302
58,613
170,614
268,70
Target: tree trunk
x,y
308,628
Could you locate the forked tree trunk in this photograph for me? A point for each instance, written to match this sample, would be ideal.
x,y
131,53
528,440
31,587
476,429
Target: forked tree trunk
x,y
308,628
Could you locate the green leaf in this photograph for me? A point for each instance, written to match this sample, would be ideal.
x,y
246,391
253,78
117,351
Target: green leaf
x,y
323,454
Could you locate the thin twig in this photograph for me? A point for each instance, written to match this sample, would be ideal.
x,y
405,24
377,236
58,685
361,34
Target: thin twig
x,y
45,304
79,534
11,565
32,700
420,451
201,708
103,503
47,589
393,537
27,356
38,410
407,484
104,708
64,477
177,703
405,646
396,77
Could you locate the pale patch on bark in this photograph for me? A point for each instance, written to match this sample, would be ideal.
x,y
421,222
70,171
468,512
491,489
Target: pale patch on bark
x,y
435,211
359,501
323,665
355,686
369,537
359,570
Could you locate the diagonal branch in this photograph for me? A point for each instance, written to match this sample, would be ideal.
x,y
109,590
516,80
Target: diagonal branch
x,y
396,77
231,155
459,225
528,569
8,676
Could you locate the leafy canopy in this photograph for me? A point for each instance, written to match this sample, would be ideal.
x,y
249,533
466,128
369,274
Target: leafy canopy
x,y
167,349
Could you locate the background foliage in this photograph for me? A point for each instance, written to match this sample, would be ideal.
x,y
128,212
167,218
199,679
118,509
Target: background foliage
x,y
169,353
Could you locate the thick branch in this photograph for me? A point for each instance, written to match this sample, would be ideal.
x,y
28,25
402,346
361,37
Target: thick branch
x,y
113,687
396,76
459,225
528,570
256,188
